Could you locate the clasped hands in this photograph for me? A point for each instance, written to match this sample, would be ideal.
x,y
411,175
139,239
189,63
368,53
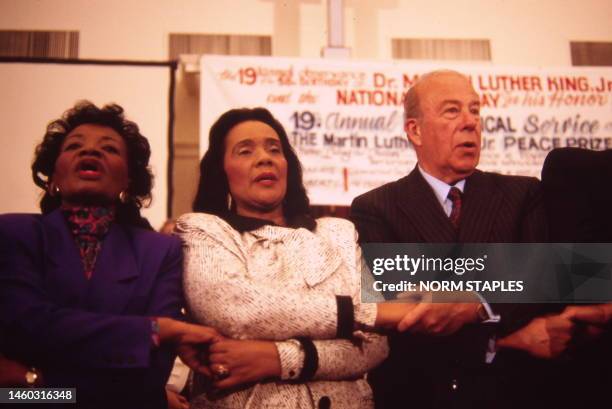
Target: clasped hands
x,y
227,362
547,337
424,315
554,335
230,363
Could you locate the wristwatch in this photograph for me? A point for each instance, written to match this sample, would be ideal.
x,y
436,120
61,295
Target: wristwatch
x,y
31,377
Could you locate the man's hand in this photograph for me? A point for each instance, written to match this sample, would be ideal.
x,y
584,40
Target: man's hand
x,y
247,361
439,318
544,337
420,314
600,314
592,319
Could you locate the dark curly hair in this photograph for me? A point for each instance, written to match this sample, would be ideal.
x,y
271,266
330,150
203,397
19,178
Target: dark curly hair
x,y
138,151
213,187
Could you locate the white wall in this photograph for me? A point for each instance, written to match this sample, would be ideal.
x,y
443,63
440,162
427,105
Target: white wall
x,y
522,32
136,29
34,94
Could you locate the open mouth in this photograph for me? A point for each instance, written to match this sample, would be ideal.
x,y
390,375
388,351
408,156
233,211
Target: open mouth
x,y
89,168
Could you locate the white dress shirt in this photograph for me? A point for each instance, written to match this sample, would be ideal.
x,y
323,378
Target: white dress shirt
x,y
441,190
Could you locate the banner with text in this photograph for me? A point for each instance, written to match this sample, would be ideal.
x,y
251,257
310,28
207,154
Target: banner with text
x,y
345,118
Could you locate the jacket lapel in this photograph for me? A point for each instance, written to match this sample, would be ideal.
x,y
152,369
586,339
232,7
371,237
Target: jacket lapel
x,y
115,273
418,203
65,278
482,201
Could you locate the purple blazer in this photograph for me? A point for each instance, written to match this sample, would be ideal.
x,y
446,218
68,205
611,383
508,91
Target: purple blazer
x,y
94,334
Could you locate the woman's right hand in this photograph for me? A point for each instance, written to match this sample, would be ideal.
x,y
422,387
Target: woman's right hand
x,y
248,361
191,341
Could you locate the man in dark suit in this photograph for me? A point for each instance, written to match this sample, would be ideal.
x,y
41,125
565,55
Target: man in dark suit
x,y
446,199
578,203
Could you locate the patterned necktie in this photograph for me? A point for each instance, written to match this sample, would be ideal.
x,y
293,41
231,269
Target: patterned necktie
x,y
454,195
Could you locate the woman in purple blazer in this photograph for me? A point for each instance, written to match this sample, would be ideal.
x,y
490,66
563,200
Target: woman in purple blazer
x,y
89,295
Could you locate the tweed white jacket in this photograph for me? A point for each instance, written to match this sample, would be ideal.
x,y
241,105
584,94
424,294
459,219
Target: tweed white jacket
x,y
278,283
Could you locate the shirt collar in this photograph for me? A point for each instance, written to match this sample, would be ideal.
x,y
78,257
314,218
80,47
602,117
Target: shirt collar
x,y
439,187
243,223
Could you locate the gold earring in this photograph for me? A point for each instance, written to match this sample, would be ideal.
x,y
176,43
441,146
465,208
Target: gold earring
x,y
229,201
123,196
53,190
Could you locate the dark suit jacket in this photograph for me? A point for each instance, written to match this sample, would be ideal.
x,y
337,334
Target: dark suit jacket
x,y
93,335
578,194
450,371
577,187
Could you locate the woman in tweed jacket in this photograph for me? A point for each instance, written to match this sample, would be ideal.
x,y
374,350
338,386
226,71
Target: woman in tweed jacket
x,y
282,287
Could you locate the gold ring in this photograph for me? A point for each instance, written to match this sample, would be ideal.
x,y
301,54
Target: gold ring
x,y
221,371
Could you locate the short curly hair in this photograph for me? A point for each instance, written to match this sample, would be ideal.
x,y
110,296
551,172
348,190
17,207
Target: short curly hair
x,y
138,153
213,187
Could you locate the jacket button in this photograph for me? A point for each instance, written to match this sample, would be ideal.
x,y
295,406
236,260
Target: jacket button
x,y
324,403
